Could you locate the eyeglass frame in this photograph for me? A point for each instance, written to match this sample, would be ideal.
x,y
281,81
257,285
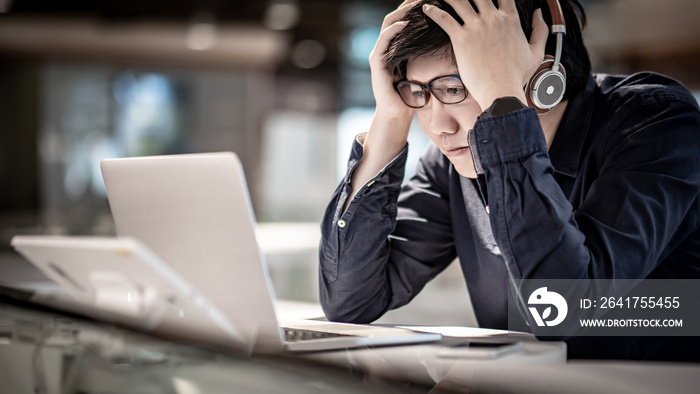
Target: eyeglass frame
x,y
430,90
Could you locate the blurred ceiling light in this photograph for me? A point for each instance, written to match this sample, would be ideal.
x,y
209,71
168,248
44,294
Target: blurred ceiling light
x,y
308,54
201,36
154,41
281,15
5,5
202,33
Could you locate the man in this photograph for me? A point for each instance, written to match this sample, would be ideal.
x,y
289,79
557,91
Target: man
x,y
602,183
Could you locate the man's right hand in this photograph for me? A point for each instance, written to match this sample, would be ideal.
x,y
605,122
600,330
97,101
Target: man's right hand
x,y
388,132
388,102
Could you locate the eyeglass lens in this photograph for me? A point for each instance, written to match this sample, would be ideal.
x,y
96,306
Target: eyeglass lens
x,y
447,89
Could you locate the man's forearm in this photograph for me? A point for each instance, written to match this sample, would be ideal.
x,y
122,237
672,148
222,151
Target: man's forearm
x,y
385,140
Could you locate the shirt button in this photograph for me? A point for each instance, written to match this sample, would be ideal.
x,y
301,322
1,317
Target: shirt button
x,y
341,223
488,211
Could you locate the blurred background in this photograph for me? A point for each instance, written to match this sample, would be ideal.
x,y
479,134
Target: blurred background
x,y
284,83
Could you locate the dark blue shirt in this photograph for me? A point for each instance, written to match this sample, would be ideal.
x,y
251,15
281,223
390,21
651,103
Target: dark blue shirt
x,y
616,196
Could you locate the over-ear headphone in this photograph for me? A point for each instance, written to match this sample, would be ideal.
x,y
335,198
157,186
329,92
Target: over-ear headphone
x,y
547,86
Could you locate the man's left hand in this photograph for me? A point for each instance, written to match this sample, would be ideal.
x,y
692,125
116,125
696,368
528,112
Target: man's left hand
x,y
493,55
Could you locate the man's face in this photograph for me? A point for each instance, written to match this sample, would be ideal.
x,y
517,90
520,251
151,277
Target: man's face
x,y
445,125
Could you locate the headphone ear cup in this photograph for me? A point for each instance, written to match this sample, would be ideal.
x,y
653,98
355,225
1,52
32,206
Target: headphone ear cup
x,y
547,87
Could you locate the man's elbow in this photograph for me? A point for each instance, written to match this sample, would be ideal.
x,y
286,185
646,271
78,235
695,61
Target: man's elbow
x,y
343,314
348,311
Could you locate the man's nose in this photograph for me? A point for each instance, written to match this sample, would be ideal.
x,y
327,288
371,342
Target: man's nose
x,y
441,120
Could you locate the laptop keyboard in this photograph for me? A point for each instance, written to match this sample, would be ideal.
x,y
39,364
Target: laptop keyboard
x,y
296,335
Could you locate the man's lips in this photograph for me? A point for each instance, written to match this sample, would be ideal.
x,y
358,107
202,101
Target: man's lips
x,y
454,152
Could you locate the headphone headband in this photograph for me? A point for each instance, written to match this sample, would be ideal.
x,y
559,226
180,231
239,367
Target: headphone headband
x,y
558,28
557,14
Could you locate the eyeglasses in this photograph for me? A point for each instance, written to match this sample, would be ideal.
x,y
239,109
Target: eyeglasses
x,y
448,89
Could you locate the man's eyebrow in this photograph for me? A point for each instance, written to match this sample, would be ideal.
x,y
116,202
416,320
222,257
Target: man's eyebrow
x,y
415,80
431,79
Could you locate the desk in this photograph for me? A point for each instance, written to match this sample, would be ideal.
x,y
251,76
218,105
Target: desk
x,y
46,351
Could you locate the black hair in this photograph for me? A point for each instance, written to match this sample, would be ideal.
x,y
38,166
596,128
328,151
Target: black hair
x,y
422,36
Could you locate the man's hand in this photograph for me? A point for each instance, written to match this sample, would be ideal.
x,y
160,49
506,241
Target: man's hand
x,y
388,132
493,55
388,103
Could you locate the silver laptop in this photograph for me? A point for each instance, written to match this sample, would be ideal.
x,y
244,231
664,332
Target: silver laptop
x,y
195,213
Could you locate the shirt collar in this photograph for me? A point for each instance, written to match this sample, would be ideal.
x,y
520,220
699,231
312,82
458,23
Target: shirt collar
x,y
566,149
